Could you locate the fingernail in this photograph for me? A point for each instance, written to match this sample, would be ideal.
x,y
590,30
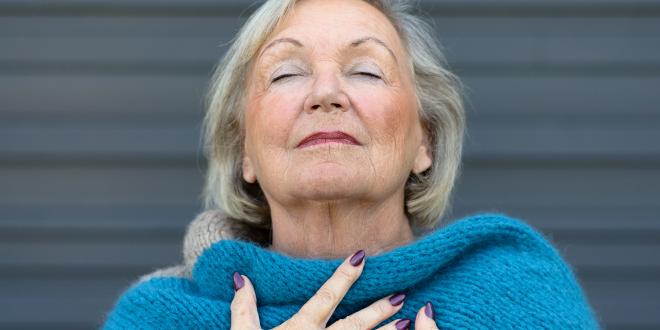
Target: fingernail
x,y
402,324
357,258
238,281
397,299
428,310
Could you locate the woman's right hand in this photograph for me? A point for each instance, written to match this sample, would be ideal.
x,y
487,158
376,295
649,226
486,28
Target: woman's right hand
x,y
316,312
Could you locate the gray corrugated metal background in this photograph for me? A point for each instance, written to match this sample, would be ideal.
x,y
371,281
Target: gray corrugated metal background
x,y
100,167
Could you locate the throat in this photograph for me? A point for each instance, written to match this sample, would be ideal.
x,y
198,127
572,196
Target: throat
x,y
338,237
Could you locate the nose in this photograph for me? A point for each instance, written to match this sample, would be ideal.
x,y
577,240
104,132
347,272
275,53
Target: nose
x,y
327,94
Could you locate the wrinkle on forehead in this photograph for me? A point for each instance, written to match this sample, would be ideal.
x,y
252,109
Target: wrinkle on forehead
x,y
353,20
312,14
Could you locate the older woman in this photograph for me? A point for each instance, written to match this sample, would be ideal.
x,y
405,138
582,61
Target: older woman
x,y
332,128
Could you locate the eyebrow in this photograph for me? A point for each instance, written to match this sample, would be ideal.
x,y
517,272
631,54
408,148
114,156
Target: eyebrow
x,y
281,40
377,41
353,43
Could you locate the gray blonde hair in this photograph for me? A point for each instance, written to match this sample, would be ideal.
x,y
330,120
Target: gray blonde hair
x,y
439,97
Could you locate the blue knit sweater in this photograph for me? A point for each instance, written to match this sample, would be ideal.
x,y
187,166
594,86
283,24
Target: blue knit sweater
x,y
484,271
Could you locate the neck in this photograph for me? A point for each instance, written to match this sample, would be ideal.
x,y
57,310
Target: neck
x,y
336,229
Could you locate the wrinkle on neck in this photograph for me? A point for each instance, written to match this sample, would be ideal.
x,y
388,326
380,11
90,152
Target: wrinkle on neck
x,y
336,229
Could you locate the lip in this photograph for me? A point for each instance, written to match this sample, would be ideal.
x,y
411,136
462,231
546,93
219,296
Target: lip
x,y
327,137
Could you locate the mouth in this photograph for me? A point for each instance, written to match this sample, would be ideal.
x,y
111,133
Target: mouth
x,y
327,137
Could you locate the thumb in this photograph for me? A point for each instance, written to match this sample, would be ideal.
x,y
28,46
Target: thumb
x,y
243,308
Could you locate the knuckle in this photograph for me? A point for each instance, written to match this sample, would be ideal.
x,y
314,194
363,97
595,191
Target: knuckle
x,y
240,310
297,322
382,308
353,322
347,274
326,296
307,316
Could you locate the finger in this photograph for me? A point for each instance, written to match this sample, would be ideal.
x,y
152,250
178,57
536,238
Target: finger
x,y
320,307
399,324
373,314
425,319
243,307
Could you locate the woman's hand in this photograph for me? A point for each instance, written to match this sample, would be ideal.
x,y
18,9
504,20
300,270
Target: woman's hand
x,y
316,312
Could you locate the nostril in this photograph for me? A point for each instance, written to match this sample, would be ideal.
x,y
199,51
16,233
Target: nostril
x,y
336,105
315,106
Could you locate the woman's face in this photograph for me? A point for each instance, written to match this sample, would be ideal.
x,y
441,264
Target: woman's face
x,y
332,65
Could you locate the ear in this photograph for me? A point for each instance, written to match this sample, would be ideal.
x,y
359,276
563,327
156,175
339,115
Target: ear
x,y
248,170
423,159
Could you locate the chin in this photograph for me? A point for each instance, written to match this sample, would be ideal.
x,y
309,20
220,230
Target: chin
x,y
328,195
329,184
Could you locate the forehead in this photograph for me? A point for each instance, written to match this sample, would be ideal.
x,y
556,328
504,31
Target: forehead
x,y
333,23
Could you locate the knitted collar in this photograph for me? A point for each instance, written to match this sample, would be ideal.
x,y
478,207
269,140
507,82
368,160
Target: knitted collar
x,y
485,271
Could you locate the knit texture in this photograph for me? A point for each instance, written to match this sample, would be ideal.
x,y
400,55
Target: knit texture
x,y
484,271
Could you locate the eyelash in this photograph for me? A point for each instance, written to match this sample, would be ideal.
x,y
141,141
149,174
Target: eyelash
x,y
284,76
366,74
369,74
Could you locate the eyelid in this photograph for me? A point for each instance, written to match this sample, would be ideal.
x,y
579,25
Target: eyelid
x,y
286,70
369,69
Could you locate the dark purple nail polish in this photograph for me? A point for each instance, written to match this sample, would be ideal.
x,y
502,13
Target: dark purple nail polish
x,y
402,324
357,258
428,310
397,299
238,281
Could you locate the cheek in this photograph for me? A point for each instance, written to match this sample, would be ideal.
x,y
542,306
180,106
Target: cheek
x,y
388,116
268,123
269,119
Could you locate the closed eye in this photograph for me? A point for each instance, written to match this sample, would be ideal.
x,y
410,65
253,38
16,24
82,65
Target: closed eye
x,y
368,74
284,76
